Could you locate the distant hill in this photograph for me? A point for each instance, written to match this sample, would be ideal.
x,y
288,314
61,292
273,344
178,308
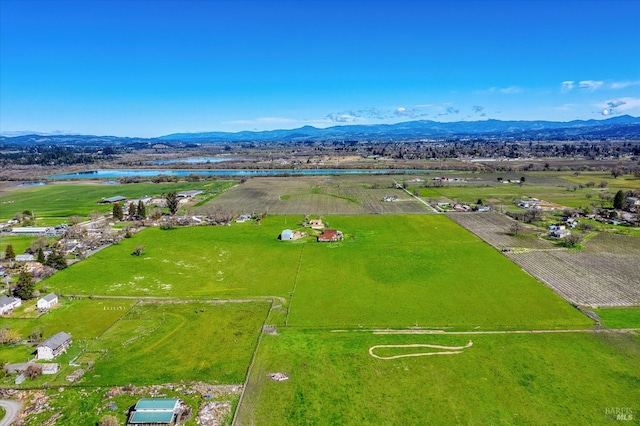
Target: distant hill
x,y
621,127
618,127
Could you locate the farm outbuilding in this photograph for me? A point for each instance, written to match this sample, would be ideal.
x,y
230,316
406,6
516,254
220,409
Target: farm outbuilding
x,y
330,235
54,345
47,301
112,200
154,411
286,235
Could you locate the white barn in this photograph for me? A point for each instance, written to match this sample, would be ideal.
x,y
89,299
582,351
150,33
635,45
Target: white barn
x,y
54,346
47,301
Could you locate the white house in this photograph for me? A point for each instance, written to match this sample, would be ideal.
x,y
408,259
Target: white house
x,y
54,346
8,303
47,301
286,235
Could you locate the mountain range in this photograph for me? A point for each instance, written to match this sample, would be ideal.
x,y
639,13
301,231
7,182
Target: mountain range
x,y
621,127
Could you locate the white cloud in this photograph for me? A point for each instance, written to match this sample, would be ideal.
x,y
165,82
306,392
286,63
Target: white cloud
x,y
567,86
624,84
590,85
511,90
619,106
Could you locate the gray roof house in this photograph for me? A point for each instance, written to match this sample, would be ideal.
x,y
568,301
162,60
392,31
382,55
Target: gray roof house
x,y
8,303
54,345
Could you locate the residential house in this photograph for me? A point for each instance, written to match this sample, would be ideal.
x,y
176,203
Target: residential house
x,y
48,301
330,235
8,303
54,346
316,224
154,411
560,233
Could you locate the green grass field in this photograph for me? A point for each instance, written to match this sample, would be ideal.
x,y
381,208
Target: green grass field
x,y
502,379
394,271
169,343
54,203
426,271
620,317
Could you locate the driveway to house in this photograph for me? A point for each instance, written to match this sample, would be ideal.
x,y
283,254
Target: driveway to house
x,y
12,408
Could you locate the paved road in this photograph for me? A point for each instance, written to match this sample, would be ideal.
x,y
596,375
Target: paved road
x,y
12,408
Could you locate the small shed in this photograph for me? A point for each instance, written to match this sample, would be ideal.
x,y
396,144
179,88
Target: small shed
x,y
316,224
154,411
47,301
54,346
286,235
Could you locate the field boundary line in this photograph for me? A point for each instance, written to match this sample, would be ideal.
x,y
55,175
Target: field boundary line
x,y
445,333
295,285
253,360
416,197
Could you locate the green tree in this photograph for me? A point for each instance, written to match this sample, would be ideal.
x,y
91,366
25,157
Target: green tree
x,y
56,260
40,257
172,202
618,200
132,209
9,253
117,211
142,210
25,286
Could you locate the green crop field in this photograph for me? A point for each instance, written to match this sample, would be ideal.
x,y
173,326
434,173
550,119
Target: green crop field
x,y
501,379
54,203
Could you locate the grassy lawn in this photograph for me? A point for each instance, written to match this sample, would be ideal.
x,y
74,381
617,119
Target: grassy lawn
x,y
204,262
422,271
501,379
54,203
170,343
620,317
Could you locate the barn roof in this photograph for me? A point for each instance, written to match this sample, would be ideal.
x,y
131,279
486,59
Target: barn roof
x,y
50,297
57,340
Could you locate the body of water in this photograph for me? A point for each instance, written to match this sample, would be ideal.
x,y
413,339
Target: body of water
x,y
118,173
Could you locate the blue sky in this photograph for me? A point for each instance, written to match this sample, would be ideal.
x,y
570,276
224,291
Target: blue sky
x,y
149,68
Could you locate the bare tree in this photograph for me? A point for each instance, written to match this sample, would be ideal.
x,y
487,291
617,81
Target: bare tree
x,y
138,251
516,227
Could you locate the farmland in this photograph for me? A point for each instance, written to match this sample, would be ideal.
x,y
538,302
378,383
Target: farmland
x,y
54,203
501,379
192,306
400,283
604,273
336,195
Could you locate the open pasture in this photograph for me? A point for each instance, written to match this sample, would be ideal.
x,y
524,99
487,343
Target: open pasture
x,y
421,270
84,319
174,342
318,195
396,271
54,203
501,379
241,260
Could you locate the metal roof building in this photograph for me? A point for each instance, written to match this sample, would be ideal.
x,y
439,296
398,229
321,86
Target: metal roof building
x,y
154,411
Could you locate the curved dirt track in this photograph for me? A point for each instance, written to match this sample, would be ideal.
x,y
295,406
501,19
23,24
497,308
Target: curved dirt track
x,y
450,350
